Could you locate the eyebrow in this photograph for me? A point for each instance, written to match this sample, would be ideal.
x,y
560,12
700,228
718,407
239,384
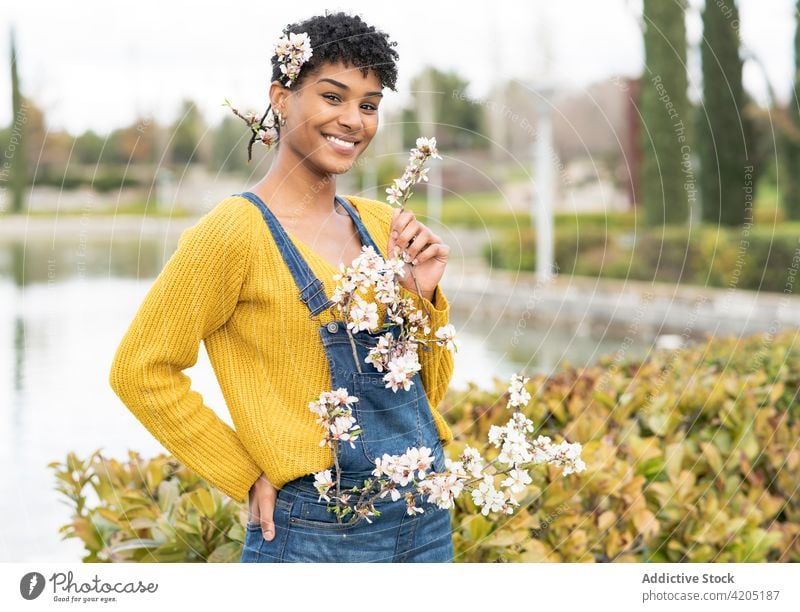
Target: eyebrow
x,y
346,88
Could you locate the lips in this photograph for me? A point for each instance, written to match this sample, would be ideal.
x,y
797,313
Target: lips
x,y
342,145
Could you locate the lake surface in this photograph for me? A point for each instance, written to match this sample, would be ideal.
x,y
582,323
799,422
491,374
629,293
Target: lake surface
x,y
65,305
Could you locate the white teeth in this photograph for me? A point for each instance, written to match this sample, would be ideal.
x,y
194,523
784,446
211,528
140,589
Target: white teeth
x,y
338,141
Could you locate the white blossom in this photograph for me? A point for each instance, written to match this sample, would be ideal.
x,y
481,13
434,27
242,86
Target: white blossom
x,y
364,315
323,483
401,371
518,395
517,480
448,333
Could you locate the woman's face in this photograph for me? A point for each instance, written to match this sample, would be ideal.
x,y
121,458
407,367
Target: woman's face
x,y
331,118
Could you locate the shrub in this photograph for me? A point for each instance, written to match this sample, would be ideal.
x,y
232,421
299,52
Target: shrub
x,y
691,455
758,259
148,511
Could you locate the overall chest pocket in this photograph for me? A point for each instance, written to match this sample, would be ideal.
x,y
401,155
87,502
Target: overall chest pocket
x,y
391,421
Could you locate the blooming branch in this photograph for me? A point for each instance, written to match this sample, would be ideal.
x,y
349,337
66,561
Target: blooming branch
x,y
408,475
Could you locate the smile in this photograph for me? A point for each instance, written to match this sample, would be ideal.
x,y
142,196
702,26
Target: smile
x,y
343,146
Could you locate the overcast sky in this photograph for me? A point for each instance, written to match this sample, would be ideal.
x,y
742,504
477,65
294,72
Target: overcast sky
x,y
96,64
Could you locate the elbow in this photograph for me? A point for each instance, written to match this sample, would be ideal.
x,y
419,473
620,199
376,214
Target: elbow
x,y
122,375
116,377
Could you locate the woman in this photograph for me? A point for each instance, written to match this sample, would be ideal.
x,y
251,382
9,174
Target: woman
x,y
252,280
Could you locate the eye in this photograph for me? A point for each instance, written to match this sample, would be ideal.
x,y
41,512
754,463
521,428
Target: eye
x,y
329,96
370,107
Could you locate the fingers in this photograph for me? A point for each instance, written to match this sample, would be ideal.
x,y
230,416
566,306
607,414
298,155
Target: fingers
x,y
437,249
409,235
416,242
266,505
262,503
400,221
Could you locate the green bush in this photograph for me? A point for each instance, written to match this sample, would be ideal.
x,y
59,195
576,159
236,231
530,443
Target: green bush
x,y
691,455
148,511
488,210
517,250
758,259
106,181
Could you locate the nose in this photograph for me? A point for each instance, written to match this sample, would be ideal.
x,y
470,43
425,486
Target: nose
x,y
350,117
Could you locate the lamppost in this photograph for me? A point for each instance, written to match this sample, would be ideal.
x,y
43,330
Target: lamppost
x,y
543,186
427,119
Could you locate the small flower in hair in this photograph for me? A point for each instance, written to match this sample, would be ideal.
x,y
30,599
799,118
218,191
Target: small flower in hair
x,y
263,128
293,51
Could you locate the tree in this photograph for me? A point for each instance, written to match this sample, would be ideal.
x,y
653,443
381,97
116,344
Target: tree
x,y
185,135
16,170
458,119
88,148
791,138
666,164
229,148
138,142
723,130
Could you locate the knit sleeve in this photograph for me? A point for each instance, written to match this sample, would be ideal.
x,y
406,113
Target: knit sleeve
x,y
195,293
437,362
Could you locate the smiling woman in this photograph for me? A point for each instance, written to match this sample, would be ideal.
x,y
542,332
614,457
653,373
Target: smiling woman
x,y
253,280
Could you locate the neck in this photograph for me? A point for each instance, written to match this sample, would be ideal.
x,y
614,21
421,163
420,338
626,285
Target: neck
x,y
296,189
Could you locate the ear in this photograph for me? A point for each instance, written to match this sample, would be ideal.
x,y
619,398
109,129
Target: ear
x,y
277,96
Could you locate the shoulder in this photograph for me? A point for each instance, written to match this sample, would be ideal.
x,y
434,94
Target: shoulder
x,y
228,225
235,211
232,214
374,210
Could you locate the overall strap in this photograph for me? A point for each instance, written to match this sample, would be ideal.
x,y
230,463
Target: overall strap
x,y
366,239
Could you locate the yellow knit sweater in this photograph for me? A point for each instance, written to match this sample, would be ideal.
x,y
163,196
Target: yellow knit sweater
x,y
227,285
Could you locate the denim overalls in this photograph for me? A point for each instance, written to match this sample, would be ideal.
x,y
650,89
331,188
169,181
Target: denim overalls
x,y
391,422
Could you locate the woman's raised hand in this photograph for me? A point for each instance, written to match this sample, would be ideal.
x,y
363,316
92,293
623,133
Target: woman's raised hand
x,y
422,245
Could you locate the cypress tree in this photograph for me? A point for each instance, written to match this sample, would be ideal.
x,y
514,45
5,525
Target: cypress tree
x,y
723,130
15,152
667,183
791,144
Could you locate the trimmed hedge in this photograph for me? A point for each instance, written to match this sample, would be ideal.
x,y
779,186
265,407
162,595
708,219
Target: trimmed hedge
x,y
691,456
758,259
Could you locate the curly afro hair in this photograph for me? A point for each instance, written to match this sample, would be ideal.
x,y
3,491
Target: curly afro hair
x,y
341,37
